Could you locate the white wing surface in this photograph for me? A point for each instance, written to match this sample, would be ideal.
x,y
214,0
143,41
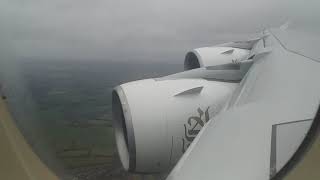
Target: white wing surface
x,y
267,118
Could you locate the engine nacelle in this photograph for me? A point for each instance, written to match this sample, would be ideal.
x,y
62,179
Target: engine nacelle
x,y
213,56
156,120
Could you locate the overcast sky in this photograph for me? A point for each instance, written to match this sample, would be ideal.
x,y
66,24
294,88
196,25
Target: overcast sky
x,y
139,30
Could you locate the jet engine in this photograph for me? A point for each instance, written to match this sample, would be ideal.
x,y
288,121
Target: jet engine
x,y
156,120
213,56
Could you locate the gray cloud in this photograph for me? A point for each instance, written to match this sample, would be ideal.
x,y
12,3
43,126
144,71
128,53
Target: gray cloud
x,y
147,30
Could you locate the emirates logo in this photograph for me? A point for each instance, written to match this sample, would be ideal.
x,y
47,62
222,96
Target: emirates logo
x,y
193,127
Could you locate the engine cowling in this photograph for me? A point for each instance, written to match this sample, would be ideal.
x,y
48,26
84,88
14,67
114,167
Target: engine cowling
x,y
213,56
156,120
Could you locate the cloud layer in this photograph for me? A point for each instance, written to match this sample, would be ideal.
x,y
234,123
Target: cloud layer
x,y
140,30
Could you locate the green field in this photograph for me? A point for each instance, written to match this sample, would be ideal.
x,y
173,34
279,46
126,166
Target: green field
x,y
73,103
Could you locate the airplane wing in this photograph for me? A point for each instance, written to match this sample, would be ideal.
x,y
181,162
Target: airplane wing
x,y
267,118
